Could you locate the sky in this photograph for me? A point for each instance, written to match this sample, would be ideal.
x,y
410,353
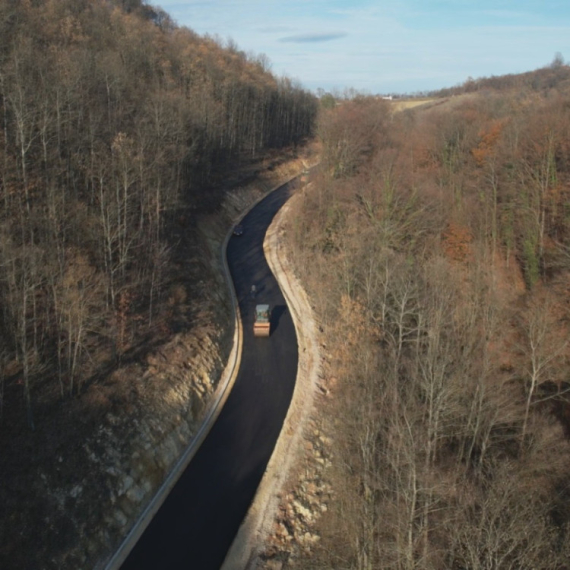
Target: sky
x,y
384,47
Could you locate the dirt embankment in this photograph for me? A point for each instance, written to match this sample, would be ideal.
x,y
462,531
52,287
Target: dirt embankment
x,y
75,486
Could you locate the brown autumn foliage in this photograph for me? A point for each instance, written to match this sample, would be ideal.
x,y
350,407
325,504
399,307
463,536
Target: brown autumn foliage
x,y
114,121
456,242
451,406
489,137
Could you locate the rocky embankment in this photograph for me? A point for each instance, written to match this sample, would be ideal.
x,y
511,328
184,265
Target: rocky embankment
x,y
307,496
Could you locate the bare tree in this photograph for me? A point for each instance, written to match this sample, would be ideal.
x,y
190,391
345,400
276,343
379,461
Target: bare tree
x,y
542,345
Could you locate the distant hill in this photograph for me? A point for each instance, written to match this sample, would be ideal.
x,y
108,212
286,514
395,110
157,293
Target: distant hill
x,y
555,76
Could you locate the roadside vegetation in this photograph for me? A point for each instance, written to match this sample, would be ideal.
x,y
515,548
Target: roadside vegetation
x,y
443,237
117,126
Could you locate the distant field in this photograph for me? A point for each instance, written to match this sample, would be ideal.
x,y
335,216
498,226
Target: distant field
x,y
408,104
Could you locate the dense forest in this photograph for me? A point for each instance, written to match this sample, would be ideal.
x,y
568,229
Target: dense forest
x,y
443,234
115,123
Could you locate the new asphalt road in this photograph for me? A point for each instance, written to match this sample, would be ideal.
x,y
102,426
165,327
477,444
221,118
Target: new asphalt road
x,y
197,523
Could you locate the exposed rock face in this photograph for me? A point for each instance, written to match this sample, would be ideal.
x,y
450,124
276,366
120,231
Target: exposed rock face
x,y
128,456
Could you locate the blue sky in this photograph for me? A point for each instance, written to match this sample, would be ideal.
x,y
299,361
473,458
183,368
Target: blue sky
x,y
381,46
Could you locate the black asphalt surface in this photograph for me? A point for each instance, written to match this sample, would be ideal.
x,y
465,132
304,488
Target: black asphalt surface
x,y
197,523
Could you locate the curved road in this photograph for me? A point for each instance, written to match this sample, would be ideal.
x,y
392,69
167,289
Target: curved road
x,y
198,521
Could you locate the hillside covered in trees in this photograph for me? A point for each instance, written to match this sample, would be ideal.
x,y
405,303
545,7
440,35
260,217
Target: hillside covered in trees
x,y
443,235
120,134
113,119
554,77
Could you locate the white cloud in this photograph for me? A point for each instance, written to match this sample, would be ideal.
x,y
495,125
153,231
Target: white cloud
x,y
313,37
